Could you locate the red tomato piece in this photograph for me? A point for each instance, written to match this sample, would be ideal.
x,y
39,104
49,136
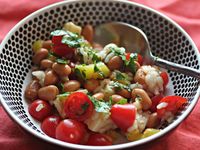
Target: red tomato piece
x,y
139,59
78,106
56,40
49,125
99,140
61,49
40,109
155,100
165,78
173,104
123,115
128,56
71,131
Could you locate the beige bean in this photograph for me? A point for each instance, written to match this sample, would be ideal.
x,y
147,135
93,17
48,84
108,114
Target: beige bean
x,y
71,85
98,96
48,93
88,33
140,76
153,120
31,91
47,44
115,63
39,55
116,98
61,69
46,63
91,84
145,99
125,93
50,78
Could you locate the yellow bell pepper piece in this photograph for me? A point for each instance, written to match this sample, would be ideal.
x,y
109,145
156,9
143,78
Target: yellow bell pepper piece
x,y
134,135
88,71
149,131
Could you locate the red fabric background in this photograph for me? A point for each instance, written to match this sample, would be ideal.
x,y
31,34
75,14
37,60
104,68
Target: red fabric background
x,y
185,137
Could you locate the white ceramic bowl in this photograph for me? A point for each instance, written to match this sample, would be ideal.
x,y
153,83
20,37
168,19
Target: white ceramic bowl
x,y
167,39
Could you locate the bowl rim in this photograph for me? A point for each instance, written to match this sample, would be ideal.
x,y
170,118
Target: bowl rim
x,y
119,146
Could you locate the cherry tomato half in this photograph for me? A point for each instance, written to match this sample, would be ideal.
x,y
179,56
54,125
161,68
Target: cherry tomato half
x,y
99,140
155,100
61,49
49,125
78,106
123,115
40,109
70,131
165,78
173,103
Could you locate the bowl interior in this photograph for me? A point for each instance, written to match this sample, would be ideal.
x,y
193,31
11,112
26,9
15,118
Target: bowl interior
x,y
167,40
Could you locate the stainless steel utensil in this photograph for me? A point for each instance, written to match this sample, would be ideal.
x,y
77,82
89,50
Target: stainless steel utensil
x,y
133,38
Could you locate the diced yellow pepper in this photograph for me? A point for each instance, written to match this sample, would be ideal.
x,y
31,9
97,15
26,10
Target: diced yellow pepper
x,y
134,135
88,71
37,45
149,131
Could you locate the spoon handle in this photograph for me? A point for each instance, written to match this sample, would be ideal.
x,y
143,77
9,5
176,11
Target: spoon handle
x,y
177,68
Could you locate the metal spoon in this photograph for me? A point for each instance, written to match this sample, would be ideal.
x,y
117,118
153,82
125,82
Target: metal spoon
x,y
132,38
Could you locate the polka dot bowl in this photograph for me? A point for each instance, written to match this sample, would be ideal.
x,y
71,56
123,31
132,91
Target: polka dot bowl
x,y
168,40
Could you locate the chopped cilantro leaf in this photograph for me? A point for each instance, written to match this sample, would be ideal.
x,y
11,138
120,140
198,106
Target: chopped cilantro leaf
x,y
85,106
120,76
118,86
100,106
61,61
58,33
122,101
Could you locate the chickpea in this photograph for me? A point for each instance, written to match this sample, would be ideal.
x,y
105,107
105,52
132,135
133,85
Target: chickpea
x,y
46,63
91,84
31,91
125,93
116,98
48,93
153,120
88,33
50,78
98,96
115,63
71,85
47,44
39,55
61,69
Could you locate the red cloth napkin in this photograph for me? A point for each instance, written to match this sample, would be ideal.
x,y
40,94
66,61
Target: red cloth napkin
x,y
185,137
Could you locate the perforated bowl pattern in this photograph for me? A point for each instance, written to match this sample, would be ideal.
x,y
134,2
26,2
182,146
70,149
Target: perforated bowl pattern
x,y
167,41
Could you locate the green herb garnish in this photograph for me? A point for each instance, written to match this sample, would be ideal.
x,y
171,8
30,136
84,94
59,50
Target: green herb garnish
x,y
100,106
123,101
119,86
120,76
85,106
62,61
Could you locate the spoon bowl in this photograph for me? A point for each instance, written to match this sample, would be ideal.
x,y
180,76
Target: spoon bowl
x,y
134,39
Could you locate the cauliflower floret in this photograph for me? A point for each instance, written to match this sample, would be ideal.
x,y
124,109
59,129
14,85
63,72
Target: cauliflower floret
x,y
135,131
40,75
149,76
100,122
